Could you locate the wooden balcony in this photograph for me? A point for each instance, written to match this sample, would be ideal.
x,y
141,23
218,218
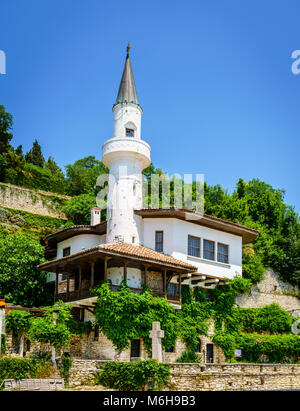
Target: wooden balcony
x,y
88,293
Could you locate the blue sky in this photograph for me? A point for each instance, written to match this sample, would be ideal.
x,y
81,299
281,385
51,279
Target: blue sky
x,y
213,77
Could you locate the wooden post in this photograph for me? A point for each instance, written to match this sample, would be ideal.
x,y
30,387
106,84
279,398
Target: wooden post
x,y
165,282
68,287
79,280
125,271
105,268
92,274
145,273
56,285
180,288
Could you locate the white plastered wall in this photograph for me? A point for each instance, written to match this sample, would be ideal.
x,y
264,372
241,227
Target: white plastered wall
x,y
176,244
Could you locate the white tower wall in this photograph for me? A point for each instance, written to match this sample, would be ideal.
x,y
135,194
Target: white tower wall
x,y
126,157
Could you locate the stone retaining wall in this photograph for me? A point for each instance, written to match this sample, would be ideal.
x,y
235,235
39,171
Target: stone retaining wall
x,y
33,201
272,290
227,377
210,377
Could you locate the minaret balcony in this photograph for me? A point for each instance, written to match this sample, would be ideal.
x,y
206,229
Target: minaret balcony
x,y
124,148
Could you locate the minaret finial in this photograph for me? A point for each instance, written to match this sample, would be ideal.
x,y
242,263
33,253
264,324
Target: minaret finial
x,y
128,48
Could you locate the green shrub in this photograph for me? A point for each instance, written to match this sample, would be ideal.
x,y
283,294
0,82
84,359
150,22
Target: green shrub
x,y
64,366
5,215
273,318
186,294
133,376
277,348
246,317
20,368
199,294
227,342
17,219
3,343
189,357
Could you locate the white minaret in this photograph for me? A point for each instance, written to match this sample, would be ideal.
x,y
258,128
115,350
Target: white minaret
x,y
126,156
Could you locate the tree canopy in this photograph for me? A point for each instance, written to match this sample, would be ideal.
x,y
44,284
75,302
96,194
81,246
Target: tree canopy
x,y
20,281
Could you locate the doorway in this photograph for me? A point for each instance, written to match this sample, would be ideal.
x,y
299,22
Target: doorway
x,y
135,350
209,353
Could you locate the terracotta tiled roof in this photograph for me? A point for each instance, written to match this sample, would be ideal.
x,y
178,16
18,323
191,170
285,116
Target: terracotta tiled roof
x,y
125,250
144,252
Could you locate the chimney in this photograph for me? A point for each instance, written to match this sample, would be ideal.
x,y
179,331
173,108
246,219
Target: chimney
x,y
95,216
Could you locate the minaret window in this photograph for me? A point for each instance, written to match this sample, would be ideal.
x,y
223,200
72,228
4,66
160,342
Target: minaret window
x,y
129,132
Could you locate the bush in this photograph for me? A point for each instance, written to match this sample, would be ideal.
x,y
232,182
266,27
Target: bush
x,y
17,219
189,357
272,318
5,215
20,368
3,343
277,348
133,376
64,366
227,342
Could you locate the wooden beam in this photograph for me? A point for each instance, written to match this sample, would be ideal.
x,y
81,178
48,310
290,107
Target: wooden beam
x,y
165,282
106,259
146,266
79,278
180,288
68,287
56,285
92,274
125,271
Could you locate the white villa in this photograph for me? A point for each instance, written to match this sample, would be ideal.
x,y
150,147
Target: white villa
x,y
162,248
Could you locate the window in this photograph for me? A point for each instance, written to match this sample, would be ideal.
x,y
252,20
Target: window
x,y
208,250
169,349
193,246
159,241
198,346
223,253
66,251
129,132
173,288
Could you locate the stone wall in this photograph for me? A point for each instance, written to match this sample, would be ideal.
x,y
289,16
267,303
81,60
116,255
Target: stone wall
x,y
33,201
226,377
209,377
272,290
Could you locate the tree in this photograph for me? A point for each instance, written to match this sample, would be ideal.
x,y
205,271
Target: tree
x,y
19,323
35,156
20,281
15,167
19,150
6,123
52,327
52,166
83,174
78,208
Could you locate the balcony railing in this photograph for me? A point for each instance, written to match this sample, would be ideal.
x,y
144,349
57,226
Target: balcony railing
x,y
88,293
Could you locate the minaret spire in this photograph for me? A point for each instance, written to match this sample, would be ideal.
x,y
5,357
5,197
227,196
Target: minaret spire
x,y
127,90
